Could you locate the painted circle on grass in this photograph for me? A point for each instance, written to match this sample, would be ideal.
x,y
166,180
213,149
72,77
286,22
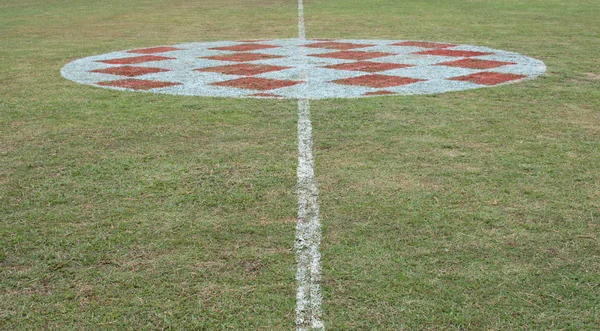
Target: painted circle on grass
x,y
304,69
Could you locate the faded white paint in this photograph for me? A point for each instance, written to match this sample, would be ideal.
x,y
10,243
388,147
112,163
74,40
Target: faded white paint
x,y
308,226
308,230
301,29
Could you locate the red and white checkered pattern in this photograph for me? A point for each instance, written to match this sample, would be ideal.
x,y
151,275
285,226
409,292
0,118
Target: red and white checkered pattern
x,y
309,69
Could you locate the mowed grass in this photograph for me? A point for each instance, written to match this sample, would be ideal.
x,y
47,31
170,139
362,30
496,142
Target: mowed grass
x,y
472,210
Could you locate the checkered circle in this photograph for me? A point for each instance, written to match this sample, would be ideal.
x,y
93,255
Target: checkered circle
x,y
307,69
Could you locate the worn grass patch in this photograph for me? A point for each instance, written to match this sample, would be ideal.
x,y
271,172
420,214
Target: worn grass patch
x,y
468,210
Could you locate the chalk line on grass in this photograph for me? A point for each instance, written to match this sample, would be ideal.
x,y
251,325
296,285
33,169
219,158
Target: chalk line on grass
x,y
308,230
301,29
308,226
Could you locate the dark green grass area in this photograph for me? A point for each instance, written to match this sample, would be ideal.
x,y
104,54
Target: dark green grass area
x,y
473,210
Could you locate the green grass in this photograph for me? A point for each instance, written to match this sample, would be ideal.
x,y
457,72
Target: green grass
x,y
473,210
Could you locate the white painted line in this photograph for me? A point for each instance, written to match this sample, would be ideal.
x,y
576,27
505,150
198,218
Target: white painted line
x,y
301,30
308,230
308,227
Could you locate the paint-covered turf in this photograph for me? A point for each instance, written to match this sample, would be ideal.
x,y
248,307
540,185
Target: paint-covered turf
x,y
306,69
471,210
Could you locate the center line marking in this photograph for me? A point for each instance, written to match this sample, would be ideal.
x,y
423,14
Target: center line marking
x,y
308,227
301,30
308,230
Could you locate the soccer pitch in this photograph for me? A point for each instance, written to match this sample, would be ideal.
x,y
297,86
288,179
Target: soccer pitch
x,y
475,209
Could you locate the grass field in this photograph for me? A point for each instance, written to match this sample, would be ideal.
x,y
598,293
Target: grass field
x,y
475,210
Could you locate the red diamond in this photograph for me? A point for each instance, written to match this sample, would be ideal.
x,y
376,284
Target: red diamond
x,y
380,92
378,81
243,69
423,44
137,84
136,59
474,64
129,71
488,78
336,45
353,55
243,47
253,83
367,66
242,57
449,52
153,50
